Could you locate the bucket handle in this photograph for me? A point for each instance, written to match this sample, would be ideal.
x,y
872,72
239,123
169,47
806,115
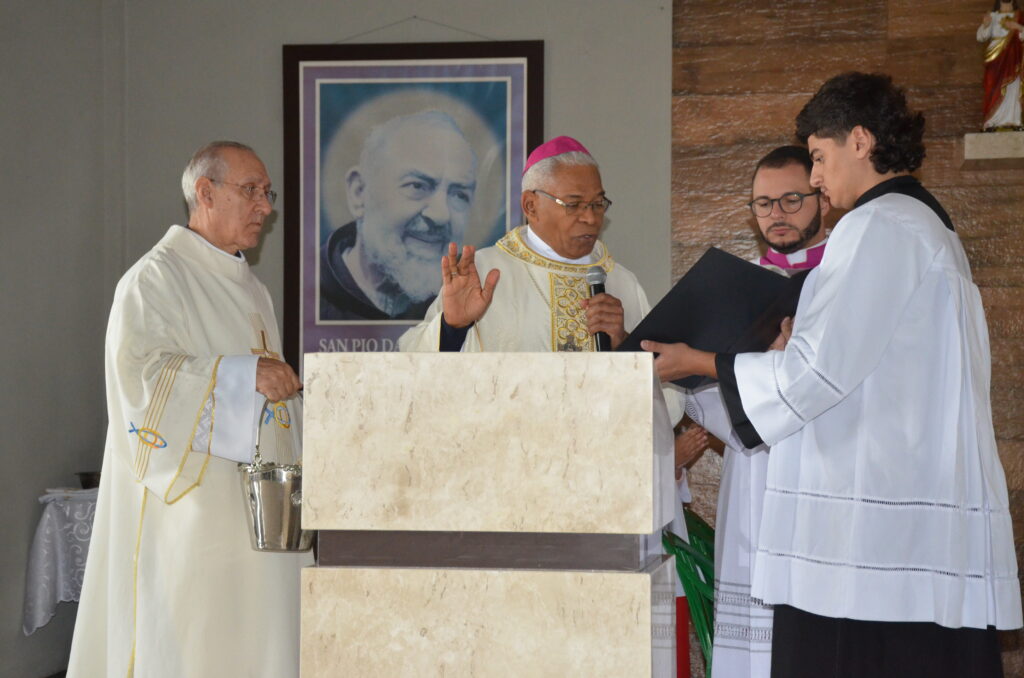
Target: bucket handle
x,y
257,457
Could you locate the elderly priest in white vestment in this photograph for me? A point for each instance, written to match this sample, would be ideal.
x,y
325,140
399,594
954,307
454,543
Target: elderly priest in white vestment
x,y
172,587
543,301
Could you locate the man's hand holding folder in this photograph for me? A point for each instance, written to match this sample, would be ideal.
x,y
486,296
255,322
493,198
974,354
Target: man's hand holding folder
x,y
679,360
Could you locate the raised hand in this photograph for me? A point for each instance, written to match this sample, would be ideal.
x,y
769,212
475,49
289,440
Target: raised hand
x,y
465,299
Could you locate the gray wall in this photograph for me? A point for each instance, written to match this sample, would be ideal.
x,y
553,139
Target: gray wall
x,y
111,97
607,73
53,288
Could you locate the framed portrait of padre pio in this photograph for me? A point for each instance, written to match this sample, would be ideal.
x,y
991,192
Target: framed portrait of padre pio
x,y
391,152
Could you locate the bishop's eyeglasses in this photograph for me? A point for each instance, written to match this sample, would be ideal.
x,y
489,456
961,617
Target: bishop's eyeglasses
x,y
573,208
251,191
790,203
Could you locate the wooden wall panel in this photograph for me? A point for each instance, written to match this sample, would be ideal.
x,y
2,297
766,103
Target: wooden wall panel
x,y
910,19
701,22
725,120
766,69
1008,414
942,168
1011,453
946,108
934,61
726,170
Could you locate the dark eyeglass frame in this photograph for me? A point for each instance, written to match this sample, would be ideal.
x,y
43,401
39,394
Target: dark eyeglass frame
x,y
251,191
756,206
573,208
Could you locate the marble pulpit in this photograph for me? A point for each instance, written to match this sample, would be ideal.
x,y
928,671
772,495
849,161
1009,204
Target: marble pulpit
x,y
489,514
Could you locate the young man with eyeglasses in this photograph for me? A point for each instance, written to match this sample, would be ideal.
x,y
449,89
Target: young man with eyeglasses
x,y
172,587
886,543
543,302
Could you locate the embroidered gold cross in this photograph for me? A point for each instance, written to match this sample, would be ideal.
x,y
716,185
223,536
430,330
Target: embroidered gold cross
x,y
264,350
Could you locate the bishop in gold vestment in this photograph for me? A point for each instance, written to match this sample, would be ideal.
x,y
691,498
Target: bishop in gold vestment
x,y
543,301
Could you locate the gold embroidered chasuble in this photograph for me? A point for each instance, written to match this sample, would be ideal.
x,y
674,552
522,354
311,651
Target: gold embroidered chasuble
x,y
172,587
536,305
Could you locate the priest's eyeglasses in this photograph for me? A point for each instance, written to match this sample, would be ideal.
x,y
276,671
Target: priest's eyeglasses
x,y
251,191
574,208
790,203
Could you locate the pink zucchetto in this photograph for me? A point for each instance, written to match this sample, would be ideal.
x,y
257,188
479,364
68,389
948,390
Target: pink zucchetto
x,y
550,149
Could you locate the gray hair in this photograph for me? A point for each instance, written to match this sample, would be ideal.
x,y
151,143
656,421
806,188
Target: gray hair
x,y
379,137
541,174
206,162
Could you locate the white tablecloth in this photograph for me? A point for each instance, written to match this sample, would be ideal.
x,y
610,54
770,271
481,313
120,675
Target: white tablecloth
x,y
56,561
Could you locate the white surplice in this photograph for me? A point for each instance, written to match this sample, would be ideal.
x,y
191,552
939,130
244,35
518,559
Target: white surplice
x,y
743,624
885,497
172,587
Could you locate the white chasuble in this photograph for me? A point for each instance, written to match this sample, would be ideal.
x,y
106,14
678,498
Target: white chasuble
x,y
172,586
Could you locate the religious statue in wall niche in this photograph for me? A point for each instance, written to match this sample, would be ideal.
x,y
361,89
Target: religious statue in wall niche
x,y
1004,62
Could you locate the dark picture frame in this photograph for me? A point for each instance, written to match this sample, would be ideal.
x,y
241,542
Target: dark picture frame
x,y
336,96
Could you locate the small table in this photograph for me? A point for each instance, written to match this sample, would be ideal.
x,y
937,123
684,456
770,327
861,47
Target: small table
x,y
56,561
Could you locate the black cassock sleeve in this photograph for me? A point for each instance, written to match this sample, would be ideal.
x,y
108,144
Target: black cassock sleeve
x,y
452,338
725,364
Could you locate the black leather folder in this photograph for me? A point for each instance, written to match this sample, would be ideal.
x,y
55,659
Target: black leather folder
x,y
722,304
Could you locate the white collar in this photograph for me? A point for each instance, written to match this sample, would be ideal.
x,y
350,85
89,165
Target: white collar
x,y
239,257
534,242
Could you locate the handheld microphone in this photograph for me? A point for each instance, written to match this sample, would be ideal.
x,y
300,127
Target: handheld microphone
x,y
595,279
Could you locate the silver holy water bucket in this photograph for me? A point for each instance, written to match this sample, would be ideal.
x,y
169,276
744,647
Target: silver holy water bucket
x,y
273,498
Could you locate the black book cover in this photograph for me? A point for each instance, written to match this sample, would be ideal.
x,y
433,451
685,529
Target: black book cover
x,y
722,304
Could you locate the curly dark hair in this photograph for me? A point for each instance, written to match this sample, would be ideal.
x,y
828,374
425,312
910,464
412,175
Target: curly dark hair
x,y
995,5
872,101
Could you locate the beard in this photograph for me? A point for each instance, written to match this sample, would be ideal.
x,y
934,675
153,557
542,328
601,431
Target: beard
x,y
403,273
806,234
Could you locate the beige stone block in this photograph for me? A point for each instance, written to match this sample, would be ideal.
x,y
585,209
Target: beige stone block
x,y
386,622
486,442
994,150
